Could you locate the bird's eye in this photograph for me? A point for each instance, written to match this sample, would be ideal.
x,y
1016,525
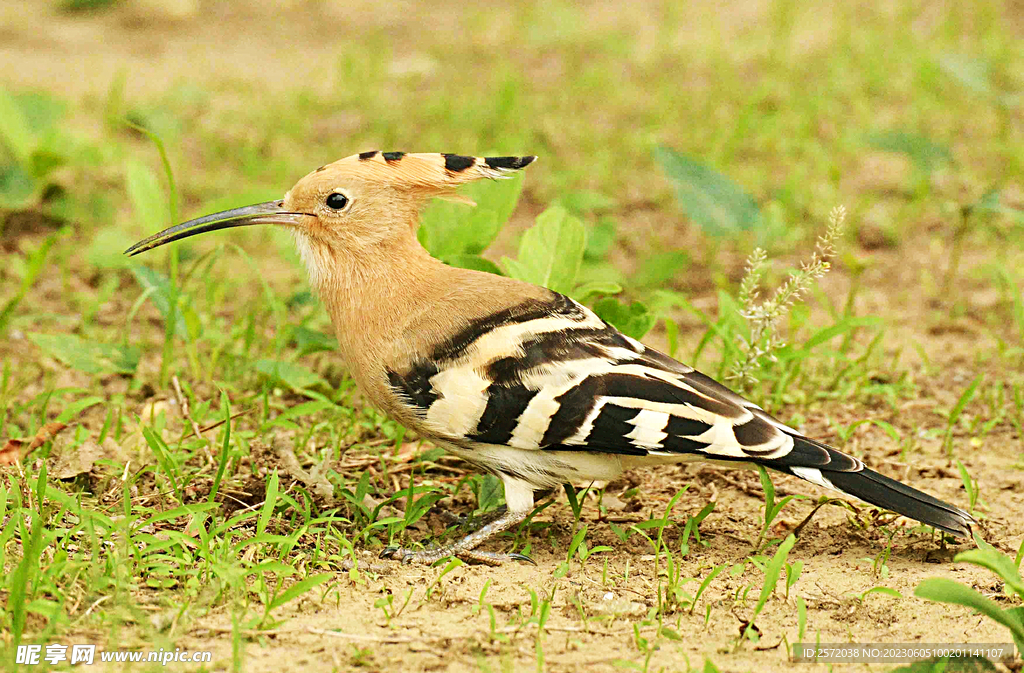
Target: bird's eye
x,y
337,201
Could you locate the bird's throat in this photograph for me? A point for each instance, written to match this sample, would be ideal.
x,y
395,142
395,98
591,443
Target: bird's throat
x,y
369,295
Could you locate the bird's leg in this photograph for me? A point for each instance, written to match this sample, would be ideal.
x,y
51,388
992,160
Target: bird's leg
x,y
475,522
471,522
519,497
464,548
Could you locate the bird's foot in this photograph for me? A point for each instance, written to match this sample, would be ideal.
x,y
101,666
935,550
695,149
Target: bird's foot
x,y
428,556
466,547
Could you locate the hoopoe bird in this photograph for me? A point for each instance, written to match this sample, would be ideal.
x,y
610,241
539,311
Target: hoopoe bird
x,y
518,380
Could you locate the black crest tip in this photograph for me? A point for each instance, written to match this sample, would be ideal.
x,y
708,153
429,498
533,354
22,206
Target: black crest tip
x,y
509,163
456,163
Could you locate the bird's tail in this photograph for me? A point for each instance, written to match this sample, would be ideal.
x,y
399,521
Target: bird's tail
x,y
851,477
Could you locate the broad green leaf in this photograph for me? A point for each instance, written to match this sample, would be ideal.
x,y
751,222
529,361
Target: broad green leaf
x,y
713,201
585,201
634,320
88,356
585,292
15,133
449,228
1017,614
600,272
292,374
601,238
892,593
299,410
550,252
45,161
947,591
41,111
922,151
18,189
475,262
998,563
147,198
659,268
72,410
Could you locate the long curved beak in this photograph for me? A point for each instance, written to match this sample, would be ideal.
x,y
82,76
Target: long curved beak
x,y
271,212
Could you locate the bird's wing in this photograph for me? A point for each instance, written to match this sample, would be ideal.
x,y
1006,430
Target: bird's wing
x,y
554,376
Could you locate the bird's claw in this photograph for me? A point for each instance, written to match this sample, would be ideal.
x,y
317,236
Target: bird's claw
x,y
513,556
395,553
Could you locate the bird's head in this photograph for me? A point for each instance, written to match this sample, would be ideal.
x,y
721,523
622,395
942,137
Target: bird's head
x,y
353,204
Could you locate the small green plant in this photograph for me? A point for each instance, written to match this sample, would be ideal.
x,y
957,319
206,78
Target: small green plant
x,y
705,583
793,571
33,146
579,549
386,603
692,529
276,598
971,217
953,417
772,509
542,611
761,340
437,583
986,556
970,486
28,278
772,571
892,593
481,605
801,619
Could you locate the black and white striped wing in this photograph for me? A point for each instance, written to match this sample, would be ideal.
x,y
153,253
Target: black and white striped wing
x,y
553,377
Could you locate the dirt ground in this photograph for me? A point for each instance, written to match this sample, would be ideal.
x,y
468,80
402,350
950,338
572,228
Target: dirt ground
x,y
77,57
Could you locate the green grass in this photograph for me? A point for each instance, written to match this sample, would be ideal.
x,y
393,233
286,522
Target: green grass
x,y
671,142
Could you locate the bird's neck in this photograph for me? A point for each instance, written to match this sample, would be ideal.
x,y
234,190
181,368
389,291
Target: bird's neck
x,y
370,294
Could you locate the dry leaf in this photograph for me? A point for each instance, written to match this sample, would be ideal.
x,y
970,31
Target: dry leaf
x,y
71,463
15,449
11,452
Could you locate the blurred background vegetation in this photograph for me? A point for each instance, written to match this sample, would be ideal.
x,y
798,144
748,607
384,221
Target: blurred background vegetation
x,y
907,113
